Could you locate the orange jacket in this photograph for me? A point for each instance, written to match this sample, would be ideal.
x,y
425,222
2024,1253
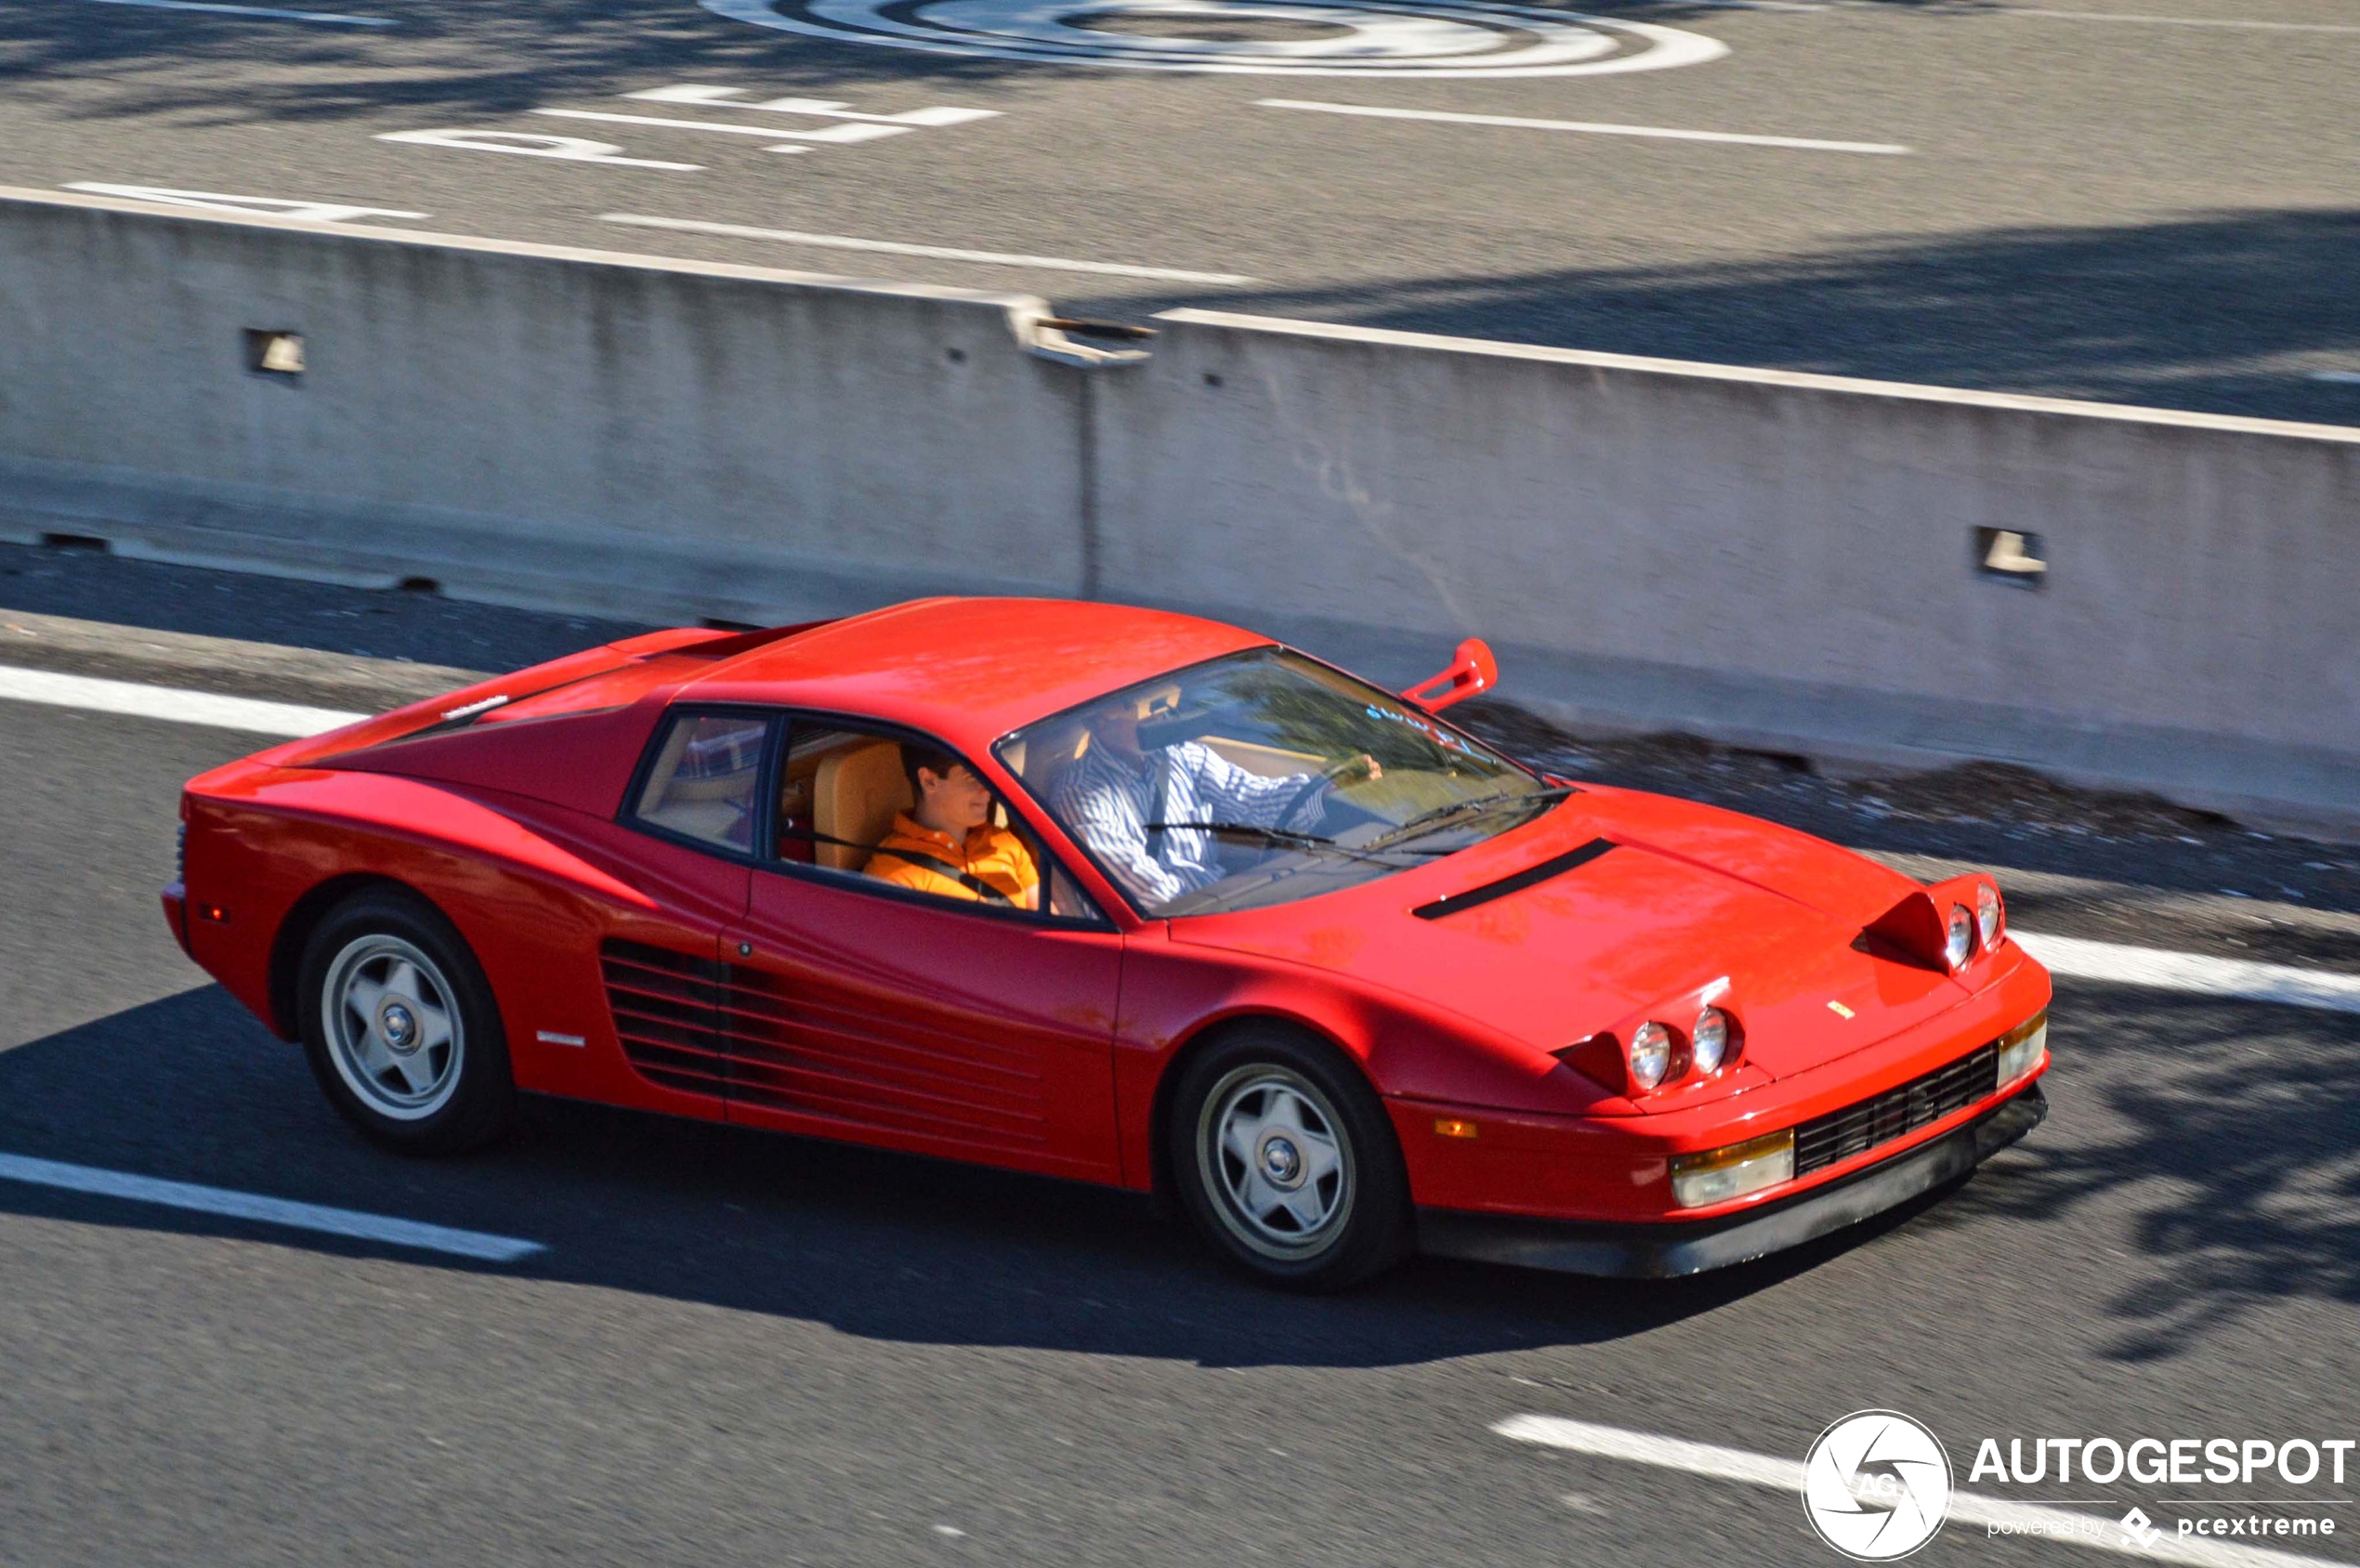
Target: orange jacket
x,y
916,856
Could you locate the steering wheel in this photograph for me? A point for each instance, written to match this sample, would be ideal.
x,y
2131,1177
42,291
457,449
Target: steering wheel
x,y
1311,786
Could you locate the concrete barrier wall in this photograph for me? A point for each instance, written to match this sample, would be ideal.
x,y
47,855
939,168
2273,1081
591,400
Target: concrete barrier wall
x,y
1774,559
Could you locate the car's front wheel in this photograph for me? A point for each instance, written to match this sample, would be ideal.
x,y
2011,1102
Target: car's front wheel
x,y
1284,1157
400,1028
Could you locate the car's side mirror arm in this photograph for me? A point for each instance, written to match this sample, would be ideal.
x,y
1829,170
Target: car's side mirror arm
x,y
1473,669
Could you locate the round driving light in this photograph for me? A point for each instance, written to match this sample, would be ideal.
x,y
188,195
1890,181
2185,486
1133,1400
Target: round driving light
x,y
1650,1054
1709,1041
1987,913
1959,945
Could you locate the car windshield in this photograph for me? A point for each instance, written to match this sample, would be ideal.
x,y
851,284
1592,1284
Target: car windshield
x,y
1261,778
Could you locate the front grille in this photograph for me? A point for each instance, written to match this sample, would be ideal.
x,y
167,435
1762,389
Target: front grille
x,y
1897,1112
734,1031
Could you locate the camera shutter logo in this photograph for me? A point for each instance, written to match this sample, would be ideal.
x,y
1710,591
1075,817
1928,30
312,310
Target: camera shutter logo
x,y
1876,1486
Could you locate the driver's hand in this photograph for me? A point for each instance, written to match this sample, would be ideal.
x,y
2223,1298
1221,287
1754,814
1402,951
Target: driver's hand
x,y
1363,767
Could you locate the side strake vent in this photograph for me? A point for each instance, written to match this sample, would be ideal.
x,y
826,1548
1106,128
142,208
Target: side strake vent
x,y
734,1030
1531,875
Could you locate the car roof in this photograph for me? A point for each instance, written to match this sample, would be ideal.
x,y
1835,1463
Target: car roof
x,y
969,671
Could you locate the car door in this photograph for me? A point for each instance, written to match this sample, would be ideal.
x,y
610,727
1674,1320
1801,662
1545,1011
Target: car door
x,y
940,1025
684,845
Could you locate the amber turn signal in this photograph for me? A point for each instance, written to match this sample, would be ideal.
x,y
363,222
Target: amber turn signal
x,y
1451,1126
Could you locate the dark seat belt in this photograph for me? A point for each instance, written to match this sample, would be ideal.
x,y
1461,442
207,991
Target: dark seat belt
x,y
964,878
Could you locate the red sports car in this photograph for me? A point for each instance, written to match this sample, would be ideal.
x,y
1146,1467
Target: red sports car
x,y
1126,896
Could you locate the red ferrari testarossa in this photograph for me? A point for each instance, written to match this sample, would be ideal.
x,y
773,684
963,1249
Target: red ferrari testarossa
x,y
1160,903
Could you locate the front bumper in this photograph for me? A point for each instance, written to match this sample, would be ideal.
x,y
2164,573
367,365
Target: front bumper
x,y
1665,1250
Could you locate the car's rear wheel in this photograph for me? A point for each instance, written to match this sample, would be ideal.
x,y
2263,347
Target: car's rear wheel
x,y
400,1028
1284,1157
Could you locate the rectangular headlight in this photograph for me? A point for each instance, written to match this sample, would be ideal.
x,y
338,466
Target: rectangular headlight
x,y
1718,1175
2022,1048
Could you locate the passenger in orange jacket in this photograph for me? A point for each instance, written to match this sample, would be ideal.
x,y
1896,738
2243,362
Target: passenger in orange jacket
x,y
945,845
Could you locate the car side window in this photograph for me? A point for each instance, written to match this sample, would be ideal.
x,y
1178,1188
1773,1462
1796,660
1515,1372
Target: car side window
x,y
705,779
846,807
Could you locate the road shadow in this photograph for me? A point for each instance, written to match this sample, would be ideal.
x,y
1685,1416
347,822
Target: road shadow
x,y
2204,311
881,1245
2225,1138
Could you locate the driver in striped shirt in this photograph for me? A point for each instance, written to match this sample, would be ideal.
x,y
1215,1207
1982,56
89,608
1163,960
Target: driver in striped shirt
x,y
1121,792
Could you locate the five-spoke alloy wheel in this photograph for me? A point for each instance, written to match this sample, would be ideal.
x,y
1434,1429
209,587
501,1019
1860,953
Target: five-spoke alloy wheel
x,y
400,1025
1282,1154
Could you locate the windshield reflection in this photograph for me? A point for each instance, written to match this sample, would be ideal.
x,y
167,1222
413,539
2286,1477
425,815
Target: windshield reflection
x,y
1260,779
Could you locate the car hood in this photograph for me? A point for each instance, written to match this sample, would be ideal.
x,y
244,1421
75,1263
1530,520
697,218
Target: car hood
x,y
1676,897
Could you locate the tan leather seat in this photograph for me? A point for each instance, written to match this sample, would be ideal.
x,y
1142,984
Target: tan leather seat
x,y
855,795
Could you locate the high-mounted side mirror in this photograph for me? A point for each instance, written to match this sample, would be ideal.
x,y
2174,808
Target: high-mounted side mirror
x,y
1473,669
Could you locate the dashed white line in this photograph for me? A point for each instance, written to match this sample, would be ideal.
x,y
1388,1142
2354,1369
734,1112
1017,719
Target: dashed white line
x,y
2243,979
1587,127
264,13
170,703
2346,378
2175,22
269,1211
893,247
1709,1459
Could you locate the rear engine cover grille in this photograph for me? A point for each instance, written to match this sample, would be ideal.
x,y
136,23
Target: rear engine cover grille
x,y
1897,1112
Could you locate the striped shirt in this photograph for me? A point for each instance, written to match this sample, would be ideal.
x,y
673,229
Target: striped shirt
x,y
1108,801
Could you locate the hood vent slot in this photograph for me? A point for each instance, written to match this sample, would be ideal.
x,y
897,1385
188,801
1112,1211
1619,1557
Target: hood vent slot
x,y
1530,876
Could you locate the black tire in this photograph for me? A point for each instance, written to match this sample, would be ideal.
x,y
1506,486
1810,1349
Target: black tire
x,y
367,1072
1305,1236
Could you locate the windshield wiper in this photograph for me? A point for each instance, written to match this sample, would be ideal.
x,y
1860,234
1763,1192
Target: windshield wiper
x,y
1426,820
1283,837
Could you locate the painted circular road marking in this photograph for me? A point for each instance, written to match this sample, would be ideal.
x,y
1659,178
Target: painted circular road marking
x,y
1445,38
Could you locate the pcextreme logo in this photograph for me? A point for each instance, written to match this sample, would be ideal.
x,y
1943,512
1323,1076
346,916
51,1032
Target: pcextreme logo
x,y
1876,1486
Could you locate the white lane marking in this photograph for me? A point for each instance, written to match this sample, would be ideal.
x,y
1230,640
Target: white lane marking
x,y
270,1210
890,247
2177,21
219,200
265,13
1442,39
821,109
2245,979
833,134
1517,123
1966,1508
169,703
570,149
2347,378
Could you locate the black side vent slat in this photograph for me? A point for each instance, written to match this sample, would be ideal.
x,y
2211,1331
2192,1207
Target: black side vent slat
x,y
1530,876
706,1028
1897,1112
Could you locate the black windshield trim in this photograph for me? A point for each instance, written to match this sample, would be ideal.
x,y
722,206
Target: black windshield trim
x,y
1554,866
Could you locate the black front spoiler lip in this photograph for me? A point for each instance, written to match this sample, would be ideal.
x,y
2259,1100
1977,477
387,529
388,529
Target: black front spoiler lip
x,y
1667,1248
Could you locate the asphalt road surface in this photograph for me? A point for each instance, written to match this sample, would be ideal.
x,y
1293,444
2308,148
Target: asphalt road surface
x,y
746,1349
2145,201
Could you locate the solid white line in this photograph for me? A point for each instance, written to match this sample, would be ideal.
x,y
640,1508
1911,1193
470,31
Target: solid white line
x,y
2246,979
169,703
1516,122
270,1210
1966,1508
992,258
265,12
2176,21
